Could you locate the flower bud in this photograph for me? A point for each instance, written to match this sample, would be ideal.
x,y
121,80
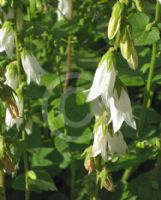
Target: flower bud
x,y
115,20
127,47
89,160
133,60
105,180
126,43
125,1
89,165
11,75
139,5
19,19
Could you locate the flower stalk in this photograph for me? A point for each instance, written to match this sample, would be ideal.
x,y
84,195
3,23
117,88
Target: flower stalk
x,y
18,58
68,64
148,90
148,94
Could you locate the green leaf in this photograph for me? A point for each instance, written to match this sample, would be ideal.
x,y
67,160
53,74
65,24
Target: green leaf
x,y
60,144
43,157
139,21
55,122
43,182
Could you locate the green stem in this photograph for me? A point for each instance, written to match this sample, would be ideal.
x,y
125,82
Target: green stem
x,y
128,172
25,159
147,94
148,90
2,188
157,167
96,192
73,178
68,64
18,57
58,63
98,167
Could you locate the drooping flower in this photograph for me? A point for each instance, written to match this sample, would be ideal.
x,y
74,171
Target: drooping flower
x,y
100,142
116,143
120,110
64,10
11,75
7,39
10,121
97,108
104,78
105,142
32,68
133,60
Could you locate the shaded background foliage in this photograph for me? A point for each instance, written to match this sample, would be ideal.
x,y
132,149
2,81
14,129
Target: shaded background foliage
x,y
55,147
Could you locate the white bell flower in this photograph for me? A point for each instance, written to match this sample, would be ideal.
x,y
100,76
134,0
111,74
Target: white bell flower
x,y
120,110
104,79
10,121
100,143
116,143
97,108
64,10
7,42
11,76
32,68
28,127
107,144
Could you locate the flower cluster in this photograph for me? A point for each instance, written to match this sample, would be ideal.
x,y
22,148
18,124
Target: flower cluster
x,y
31,67
114,108
116,105
119,25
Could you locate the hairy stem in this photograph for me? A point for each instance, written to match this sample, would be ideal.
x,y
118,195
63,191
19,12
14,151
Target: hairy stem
x,y
98,167
148,90
18,57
